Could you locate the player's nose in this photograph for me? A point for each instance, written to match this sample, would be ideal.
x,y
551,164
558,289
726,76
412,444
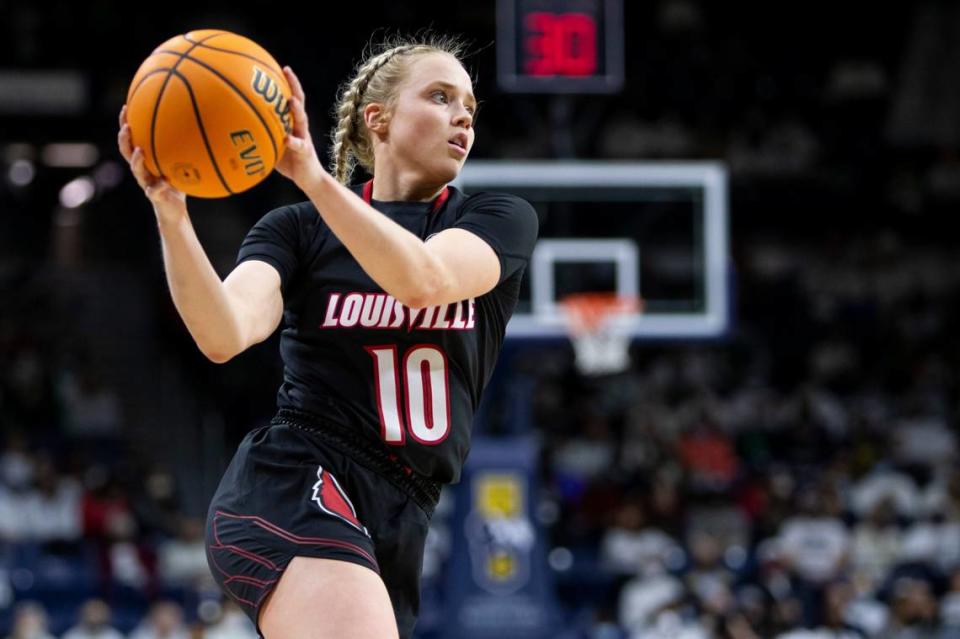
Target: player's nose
x,y
463,117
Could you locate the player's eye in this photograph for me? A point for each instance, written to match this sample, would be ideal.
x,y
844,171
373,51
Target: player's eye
x,y
439,96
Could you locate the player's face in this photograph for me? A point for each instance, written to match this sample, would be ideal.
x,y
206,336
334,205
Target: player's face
x,y
431,121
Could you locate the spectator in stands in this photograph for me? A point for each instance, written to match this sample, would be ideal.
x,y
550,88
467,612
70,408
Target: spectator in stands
x,y
12,526
838,596
667,504
130,560
16,462
875,546
109,521
105,504
923,439
587,457
816,547
29,622
52,509
94,623
933,542
943,494
232,624
708,456
752,617
708,580
631,546
164,621
884,483
774,493
92,407
182,561
652,607
950,609
815,544
914,611
156,503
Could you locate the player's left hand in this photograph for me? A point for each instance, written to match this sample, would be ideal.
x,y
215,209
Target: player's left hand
x,y
299,162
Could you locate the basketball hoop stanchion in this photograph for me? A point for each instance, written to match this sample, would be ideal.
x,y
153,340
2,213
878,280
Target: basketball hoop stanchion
x,y
601,340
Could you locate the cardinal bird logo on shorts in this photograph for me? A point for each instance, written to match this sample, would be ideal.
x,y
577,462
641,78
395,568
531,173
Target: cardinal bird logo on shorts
x,y
332,500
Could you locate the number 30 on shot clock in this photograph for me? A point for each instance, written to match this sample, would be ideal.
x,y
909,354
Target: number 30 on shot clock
x,y
560,46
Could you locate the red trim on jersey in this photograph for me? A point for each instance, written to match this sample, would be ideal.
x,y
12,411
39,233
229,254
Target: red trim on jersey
x,y
266,585
289,536
437,203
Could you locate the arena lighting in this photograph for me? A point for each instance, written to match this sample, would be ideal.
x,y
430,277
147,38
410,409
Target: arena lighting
x,y
21,172
560,559
78,192
43,92
108,175
19,151
70,154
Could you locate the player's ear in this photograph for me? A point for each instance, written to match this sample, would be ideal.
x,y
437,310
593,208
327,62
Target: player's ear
x,y
376,118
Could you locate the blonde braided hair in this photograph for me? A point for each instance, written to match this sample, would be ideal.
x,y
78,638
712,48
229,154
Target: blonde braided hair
x,y
377,77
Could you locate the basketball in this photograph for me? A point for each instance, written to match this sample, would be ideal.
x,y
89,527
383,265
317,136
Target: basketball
x,y
210,109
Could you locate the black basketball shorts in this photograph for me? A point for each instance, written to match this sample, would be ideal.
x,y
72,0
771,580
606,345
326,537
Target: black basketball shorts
x,y
300,488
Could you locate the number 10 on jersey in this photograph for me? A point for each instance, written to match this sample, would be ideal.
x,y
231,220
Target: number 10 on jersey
x,y
425,390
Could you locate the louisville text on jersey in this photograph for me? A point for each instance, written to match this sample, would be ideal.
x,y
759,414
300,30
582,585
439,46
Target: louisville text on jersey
x,y
382,311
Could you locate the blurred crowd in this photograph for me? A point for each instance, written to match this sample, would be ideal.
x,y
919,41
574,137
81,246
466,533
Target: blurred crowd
x,y
95,542
798,480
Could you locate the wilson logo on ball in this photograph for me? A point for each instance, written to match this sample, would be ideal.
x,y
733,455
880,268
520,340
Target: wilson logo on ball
x,y
267,88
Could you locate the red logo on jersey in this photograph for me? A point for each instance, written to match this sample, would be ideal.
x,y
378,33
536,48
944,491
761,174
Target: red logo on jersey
x,y
332,500
379,310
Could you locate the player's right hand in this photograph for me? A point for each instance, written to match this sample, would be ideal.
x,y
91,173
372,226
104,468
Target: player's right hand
x,y
168,202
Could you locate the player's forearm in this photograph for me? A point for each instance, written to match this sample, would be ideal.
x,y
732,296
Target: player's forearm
x,y
198,292
395,258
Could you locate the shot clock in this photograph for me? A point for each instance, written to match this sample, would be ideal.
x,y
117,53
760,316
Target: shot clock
x,y
560,46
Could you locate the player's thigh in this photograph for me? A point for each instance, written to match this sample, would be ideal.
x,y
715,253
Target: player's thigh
x,y
328,599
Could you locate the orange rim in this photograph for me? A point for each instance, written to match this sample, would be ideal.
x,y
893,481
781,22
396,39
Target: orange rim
x,y
586,312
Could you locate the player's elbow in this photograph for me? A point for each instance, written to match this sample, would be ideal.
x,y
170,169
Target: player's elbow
x,y
218,357
220,353
430,289
415,300
226,341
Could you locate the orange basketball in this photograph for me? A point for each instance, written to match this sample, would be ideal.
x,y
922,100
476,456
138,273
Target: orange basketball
x,y
210,110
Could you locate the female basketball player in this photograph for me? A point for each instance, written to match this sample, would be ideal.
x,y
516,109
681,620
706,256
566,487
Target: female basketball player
x,y
394,297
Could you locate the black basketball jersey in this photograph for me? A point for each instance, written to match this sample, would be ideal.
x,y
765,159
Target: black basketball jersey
x,y
409,378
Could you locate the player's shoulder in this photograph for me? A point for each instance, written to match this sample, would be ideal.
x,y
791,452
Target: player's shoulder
x,y
498,204
497,199
501,205
296,213
294,224
300,209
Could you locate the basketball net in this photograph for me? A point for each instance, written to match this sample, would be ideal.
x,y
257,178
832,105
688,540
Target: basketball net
x,y
600,341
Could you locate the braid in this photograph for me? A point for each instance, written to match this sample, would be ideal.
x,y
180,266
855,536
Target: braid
x,y
344,160
378,61
350,142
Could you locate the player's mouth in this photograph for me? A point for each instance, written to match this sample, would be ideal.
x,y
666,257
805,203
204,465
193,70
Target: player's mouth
x,y
458,143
